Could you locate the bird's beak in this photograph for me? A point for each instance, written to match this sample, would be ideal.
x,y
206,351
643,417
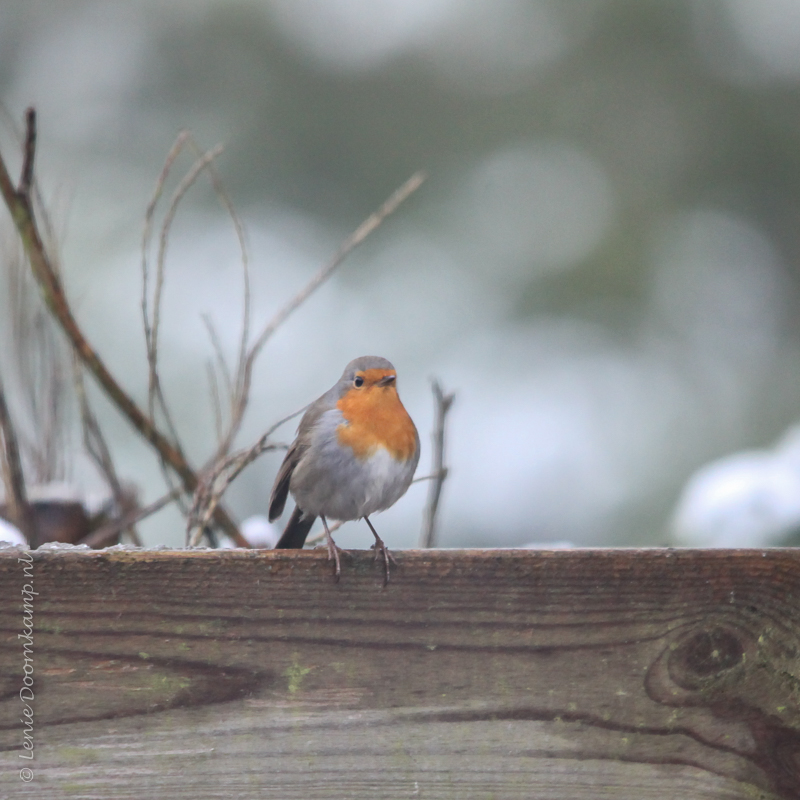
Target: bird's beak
x,y
387,380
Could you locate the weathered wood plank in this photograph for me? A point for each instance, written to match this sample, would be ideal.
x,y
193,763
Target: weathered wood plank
x,y
474,674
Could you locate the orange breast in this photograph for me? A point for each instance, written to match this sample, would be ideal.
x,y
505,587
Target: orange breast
x,y
376,418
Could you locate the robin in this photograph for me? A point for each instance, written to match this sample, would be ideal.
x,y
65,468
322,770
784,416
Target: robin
x,y
355,454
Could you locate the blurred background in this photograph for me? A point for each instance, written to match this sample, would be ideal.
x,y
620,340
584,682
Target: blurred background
x,y
604,263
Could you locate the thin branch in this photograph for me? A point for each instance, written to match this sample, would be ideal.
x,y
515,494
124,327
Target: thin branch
x,y
54,398
188,180
216,402
235,394
204,161
219,355
55,298
13,477
211,489
356,238
370,224
109,532
38,359
154,387
443,403
223,472
28,151
174,151
155,392
97,448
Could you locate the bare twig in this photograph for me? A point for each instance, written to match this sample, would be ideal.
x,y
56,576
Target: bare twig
x,y
204,162
43,268
211,489
185,184
13,477
38,353
224,470
216,402
177,146
55,298
218,372
222,473
109,532
28,153
155,394
356,238
39,363
219,356
97,448
237,390
370,224
443,403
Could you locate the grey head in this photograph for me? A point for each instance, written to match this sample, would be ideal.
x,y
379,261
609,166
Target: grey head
x,y
341,386
362,364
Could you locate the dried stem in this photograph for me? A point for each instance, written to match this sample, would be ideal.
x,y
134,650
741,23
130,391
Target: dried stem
x,y
13,477
148,224
443,403
28,153
221,475
168,446
224,470
237,389
204,162
97,448
185,184
216,402
155,394
219,356
109,532
369,225
55,298
38,360
211,489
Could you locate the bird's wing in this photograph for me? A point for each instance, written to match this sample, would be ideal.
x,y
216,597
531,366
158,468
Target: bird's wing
x,y
298,449
280,490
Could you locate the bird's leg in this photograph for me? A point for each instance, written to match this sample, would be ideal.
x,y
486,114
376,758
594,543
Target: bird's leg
x,y
333,549
381,549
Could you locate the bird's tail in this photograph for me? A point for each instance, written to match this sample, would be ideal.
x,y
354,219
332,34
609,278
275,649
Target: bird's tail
x,y
294,537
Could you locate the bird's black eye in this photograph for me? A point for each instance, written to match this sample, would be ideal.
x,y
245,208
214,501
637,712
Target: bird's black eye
x,y
358,382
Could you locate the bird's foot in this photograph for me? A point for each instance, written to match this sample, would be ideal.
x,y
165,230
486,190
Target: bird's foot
x,y
334,553
381,550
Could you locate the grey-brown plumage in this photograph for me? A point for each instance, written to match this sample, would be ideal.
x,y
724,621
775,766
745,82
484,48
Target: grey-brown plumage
x,y
355,454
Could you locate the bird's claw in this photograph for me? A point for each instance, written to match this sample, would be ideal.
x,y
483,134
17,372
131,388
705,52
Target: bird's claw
x,y
388,559
334,552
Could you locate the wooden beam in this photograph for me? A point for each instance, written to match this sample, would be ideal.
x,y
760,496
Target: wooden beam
x,y
623,674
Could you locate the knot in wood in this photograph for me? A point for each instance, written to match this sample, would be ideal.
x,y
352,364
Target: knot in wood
x,y
705,656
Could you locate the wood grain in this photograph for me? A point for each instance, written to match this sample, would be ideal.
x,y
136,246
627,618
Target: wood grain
x,y
474,674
